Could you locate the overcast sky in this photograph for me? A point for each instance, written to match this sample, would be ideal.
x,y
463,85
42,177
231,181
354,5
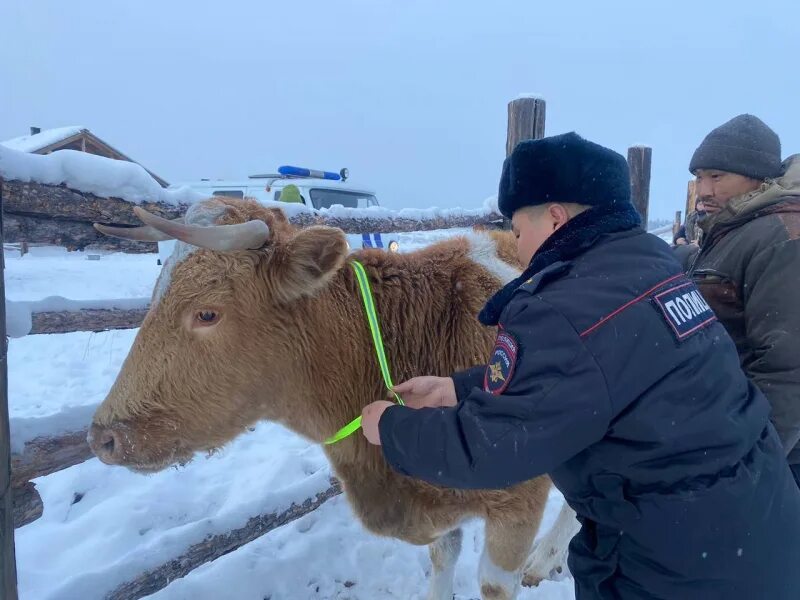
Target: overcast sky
x,y
410,95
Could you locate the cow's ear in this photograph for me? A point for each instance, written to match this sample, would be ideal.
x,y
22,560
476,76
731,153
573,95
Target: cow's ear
x,y
308,262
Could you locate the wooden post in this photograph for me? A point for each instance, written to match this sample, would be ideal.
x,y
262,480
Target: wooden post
x,y
691,197
8,563
639,161
677,223
526,117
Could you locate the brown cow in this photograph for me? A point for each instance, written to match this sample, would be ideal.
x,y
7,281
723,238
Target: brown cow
x,y
252,319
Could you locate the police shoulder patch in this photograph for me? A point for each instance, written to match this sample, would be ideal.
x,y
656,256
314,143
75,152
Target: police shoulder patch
x,y
501,364
684,309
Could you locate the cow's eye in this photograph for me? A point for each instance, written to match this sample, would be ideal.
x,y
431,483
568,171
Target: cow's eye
x,y
207,317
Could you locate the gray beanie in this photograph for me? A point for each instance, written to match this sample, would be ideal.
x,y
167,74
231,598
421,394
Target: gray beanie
x,y
744,145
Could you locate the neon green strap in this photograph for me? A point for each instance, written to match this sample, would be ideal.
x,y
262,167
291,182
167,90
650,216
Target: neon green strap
x,y
377,341
345,431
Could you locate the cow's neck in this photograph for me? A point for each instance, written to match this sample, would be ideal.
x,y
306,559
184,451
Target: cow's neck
x,y
340,364
421,306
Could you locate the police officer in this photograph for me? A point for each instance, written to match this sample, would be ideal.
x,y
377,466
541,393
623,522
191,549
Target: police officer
x,y
611,374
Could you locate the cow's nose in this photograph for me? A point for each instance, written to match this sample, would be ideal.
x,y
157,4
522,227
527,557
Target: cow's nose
x,y
105,443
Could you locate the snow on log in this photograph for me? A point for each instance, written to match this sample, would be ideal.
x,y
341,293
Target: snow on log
x,y
365,223
57,215
41,456
91,174
86,320
59,201
216,546
54,199
47,454
62,315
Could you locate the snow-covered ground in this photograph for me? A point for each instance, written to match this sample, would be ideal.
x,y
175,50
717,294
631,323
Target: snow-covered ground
x,y
104,525
51,271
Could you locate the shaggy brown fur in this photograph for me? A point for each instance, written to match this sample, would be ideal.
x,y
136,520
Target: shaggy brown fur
x,y
291,344
506,247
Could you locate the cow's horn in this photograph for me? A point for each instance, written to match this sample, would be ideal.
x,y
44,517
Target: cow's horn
x,y
239,236
144,233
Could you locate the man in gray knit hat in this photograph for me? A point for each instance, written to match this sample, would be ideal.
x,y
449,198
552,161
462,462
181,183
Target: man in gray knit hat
x,y
748,265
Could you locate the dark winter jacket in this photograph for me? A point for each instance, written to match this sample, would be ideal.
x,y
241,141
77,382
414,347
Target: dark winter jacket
x,y
748,270
613,376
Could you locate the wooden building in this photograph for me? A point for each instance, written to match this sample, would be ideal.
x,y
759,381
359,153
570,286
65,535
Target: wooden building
x,y
70,138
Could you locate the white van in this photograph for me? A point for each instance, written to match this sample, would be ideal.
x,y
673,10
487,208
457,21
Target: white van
x,y
318,190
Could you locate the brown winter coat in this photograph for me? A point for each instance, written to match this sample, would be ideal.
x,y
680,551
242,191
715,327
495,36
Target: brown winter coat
x,y
748,269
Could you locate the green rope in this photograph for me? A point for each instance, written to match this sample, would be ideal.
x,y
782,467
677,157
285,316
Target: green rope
x,y
377,342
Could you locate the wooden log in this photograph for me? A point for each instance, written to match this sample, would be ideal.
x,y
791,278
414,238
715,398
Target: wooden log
x,y
61,204
215,546
59,201
44,455
526,120
393,224
86,320
73,235
27,504
57,215
8,564
639,162
691,197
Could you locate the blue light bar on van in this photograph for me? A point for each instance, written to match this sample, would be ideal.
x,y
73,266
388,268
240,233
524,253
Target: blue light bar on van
x,y
302,172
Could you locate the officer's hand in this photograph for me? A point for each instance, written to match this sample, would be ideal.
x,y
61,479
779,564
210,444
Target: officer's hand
x,y
370,417
427,392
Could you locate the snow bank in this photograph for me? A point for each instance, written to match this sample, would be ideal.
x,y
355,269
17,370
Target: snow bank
x,y
104,177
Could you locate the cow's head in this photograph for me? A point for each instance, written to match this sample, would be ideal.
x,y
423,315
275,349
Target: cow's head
x,y
218,349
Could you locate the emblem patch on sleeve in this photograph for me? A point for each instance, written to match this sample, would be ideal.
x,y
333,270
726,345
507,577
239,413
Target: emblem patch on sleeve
x,y
501,364
684,309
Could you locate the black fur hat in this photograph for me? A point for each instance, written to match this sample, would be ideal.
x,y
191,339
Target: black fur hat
x,y
563,168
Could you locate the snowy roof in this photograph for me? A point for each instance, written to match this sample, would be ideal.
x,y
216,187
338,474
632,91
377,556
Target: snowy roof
x,y
48,137
70,138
